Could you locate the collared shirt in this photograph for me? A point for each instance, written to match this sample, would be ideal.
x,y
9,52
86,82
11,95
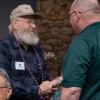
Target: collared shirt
x,y
13,60
81,67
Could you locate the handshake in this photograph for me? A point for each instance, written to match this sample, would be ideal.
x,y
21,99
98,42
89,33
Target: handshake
x,y
48,86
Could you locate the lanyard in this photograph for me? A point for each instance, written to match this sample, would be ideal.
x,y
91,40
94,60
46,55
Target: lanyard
x,y
40,68
39,64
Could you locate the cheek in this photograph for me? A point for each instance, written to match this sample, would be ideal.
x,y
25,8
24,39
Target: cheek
x,y
71,21
21,26
3,95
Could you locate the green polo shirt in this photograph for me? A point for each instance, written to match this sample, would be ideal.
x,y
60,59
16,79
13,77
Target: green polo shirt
x,y
81,67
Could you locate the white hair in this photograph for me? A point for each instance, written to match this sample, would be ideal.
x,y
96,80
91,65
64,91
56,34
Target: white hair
x,y
5,76
10,28
85,5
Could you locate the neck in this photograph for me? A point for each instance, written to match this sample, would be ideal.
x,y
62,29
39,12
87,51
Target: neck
x,y
88,22
25,45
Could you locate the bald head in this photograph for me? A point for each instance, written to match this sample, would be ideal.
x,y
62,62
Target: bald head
x,y
84,13
85,5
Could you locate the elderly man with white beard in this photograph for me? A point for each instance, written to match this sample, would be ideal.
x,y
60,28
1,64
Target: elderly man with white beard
x,y
22,57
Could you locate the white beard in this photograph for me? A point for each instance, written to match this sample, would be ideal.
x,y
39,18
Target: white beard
x,y
28,37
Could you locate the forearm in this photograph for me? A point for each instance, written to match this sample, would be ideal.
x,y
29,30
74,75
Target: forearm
x,y
70,93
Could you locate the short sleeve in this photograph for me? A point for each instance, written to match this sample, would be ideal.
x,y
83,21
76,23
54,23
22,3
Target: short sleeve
x,y
76,63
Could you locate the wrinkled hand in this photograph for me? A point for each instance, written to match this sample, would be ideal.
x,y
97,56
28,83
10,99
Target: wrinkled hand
x,y
56,81
45,87
48,86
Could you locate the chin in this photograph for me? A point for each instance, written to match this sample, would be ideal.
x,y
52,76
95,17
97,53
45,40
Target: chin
x,y
34,41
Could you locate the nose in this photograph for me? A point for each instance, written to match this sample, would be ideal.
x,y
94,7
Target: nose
x,y
33,25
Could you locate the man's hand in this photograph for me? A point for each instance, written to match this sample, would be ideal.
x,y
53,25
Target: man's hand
x,y
49,86
45,87
56,81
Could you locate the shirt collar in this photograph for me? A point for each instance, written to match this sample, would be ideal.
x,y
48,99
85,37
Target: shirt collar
x,y
14,41
95,24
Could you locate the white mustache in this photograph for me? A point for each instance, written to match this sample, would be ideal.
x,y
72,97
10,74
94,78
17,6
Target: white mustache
x,y
28,36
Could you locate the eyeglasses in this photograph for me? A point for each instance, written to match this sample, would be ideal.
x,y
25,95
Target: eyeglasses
x,y
28,21
72,13
3,87
89,10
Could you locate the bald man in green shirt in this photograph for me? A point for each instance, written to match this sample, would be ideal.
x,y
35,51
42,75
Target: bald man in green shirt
x,y
81,67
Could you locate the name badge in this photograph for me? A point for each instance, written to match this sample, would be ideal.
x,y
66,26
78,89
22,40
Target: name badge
x,y
19,65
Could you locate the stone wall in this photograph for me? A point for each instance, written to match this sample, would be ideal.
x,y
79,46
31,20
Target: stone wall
x,y
55,31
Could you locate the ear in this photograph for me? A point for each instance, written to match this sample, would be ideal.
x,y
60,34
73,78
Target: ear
x,y
9,92
14,24
77,16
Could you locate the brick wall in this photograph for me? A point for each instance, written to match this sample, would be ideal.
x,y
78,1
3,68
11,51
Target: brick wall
x,y
55,31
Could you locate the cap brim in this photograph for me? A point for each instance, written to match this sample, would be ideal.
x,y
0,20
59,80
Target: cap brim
x,y
37,15
34,16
